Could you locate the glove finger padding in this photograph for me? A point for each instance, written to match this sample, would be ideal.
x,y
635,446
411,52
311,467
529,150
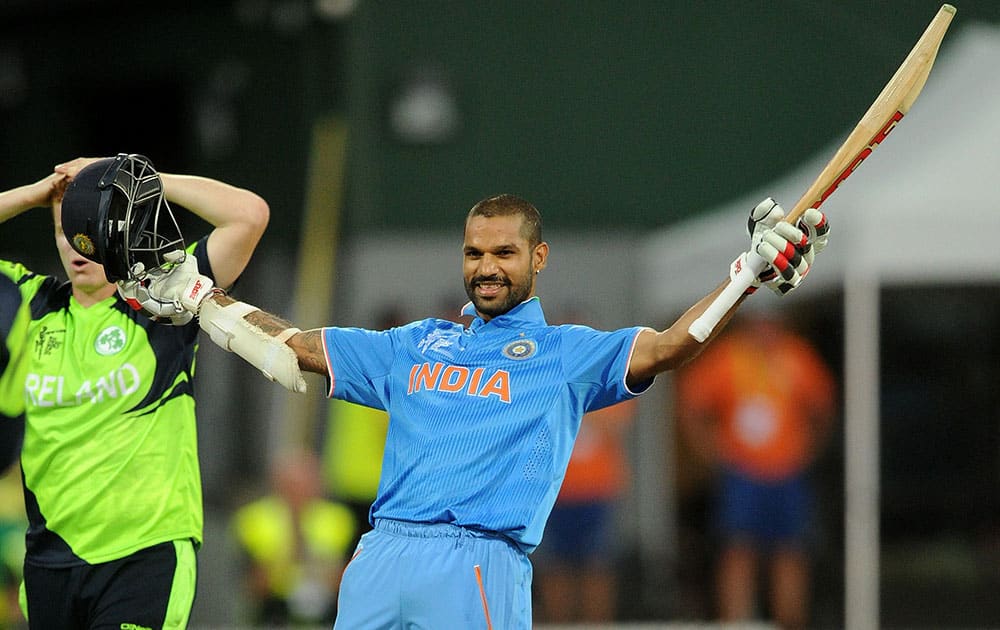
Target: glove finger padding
x,y
782,248
765,214
763,217
815,225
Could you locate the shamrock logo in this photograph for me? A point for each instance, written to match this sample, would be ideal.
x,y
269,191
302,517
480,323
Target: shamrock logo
x,y
110,341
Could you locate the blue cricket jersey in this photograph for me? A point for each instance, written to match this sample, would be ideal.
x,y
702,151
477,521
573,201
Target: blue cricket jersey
x,y
482,419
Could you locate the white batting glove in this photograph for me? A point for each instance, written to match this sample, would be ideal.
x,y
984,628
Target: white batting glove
x,y
175,294
817,229
763,217
138,297
787,251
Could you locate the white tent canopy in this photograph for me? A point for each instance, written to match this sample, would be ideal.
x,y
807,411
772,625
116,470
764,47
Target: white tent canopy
x,y
922,208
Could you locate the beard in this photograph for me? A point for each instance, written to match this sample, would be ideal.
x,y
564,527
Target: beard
x,y
492,307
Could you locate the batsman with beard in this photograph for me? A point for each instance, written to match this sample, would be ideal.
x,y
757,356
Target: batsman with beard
x,y
482,418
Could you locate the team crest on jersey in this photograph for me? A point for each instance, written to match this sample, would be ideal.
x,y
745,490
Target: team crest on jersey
x,y
110,341
520,349
83,244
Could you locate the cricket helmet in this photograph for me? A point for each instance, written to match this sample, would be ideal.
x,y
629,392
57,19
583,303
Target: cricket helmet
x,y
114,213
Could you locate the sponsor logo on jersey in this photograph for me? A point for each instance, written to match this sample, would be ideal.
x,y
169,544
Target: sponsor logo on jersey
x,y
520,349
53,390
458,379
133,626
110,341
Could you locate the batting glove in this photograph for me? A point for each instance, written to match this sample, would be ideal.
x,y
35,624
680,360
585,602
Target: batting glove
x,y
817,229
137,295
174,295
763,217
787,250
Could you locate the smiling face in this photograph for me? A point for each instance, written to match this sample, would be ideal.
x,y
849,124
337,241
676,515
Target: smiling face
x,y
90,285
500,263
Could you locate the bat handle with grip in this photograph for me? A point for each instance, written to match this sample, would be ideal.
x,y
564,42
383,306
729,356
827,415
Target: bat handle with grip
x,y
702,327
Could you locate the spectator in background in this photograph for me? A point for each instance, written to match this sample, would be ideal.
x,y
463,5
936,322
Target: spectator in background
x,y
576,566
295,544
761,434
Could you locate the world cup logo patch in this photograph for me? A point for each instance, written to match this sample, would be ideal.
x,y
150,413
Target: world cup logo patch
x,y
83,244
520,349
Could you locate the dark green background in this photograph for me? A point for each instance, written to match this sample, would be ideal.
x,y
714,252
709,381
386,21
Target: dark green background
x,y
606,114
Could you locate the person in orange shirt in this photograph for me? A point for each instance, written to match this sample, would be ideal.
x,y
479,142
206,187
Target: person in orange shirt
x,y
576,565
760,434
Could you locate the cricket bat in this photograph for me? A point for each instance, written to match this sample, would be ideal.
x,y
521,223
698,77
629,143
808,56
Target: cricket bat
x,y
892,103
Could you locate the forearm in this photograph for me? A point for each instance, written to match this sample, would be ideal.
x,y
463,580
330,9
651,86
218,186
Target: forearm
x,y
669,349
13,202
239,217
39,194
307,345
679,330
216,202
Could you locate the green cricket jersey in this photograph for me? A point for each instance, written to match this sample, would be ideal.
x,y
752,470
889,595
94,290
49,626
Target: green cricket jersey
x,y
110,454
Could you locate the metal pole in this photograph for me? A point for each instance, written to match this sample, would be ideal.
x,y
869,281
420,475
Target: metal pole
x,y
861,465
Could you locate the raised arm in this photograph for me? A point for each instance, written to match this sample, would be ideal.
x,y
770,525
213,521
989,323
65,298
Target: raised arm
x,y
788,251
669,349
42,193
238,216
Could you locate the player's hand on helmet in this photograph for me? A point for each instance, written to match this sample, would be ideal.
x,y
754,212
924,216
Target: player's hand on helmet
x,y
175,293
787,250
72,167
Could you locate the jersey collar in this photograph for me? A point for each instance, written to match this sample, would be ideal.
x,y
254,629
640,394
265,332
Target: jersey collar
x,y
526,314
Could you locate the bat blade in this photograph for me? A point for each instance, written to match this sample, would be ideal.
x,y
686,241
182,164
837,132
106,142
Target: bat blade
x,y
889,107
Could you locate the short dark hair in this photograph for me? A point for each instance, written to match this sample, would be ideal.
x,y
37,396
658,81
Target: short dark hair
x,y
506,205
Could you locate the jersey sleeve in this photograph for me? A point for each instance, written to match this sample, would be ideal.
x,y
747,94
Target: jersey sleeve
x,y
596,364
359,362
200,251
